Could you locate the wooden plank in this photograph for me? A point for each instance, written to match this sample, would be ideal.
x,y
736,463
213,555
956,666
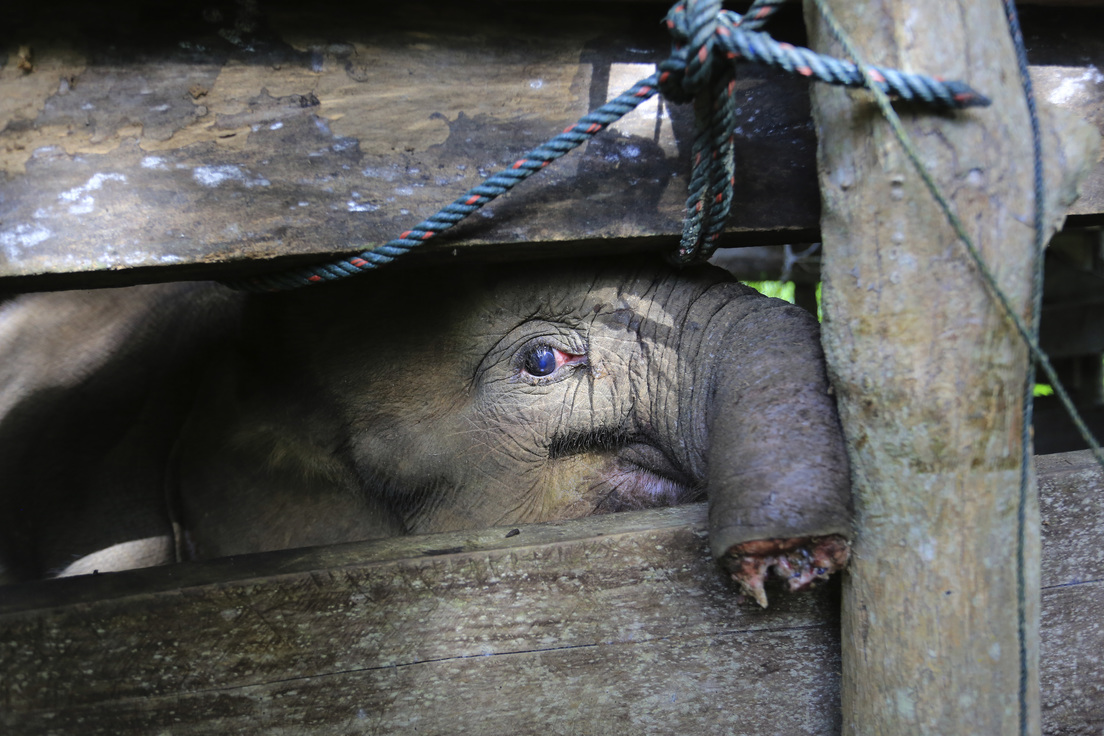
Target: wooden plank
x,y
602,625
1071,503
1059,79
83,589
1072,639
329,132
495,641
147,144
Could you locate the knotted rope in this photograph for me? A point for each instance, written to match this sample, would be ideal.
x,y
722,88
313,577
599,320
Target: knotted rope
x,y
707,44
707,40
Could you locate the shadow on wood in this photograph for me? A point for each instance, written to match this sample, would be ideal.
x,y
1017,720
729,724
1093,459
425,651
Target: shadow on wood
x,y
143,143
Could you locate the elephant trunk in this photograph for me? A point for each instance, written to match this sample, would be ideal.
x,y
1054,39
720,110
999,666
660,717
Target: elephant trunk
x,y
776,464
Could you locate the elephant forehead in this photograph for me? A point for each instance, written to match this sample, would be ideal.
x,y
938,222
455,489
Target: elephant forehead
x,y
641,314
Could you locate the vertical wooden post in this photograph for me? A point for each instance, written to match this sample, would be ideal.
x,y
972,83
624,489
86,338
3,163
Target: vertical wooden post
x,y
930,374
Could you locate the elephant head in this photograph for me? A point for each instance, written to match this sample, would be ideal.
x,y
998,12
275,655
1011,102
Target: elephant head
x,y
422,401
412,401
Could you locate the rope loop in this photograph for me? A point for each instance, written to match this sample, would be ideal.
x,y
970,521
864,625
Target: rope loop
x,y
707,42
694,26
689,70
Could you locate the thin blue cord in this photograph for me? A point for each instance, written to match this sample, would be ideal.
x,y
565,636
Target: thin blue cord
x,y
1029,382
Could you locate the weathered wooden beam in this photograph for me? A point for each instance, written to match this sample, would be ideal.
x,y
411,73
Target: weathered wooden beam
x,y
929,372
615,624
1071,505
144,142
188,141
602,625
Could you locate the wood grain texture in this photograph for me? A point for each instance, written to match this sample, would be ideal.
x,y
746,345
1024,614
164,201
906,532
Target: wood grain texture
x,y
143,142
929,372
1071,503
629,631
606,625
186,140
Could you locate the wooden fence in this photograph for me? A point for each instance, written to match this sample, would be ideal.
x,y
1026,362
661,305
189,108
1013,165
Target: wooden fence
x,y
607,625
149,142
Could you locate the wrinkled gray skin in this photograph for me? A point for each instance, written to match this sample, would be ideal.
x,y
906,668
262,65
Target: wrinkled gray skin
x,y
145,425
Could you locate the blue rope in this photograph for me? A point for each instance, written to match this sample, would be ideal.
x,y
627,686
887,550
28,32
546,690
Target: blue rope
x,y
1036,303
707,43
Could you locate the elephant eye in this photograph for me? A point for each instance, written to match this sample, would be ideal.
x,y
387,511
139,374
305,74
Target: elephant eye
x,y
540,361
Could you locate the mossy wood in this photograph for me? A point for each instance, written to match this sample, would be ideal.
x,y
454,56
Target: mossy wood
x,y
154,142
930,374
607,625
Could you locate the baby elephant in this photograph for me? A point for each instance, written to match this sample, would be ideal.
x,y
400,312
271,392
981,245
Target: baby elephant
x,y
185,421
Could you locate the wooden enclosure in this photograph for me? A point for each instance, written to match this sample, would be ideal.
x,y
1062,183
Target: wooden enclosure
x,y
607,625
157,143
150,142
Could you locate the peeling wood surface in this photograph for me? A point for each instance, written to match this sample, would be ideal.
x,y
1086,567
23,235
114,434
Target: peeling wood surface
x,y
607,625
160,142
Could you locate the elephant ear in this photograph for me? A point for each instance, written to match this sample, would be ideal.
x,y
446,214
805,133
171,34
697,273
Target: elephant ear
x,y
259,467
